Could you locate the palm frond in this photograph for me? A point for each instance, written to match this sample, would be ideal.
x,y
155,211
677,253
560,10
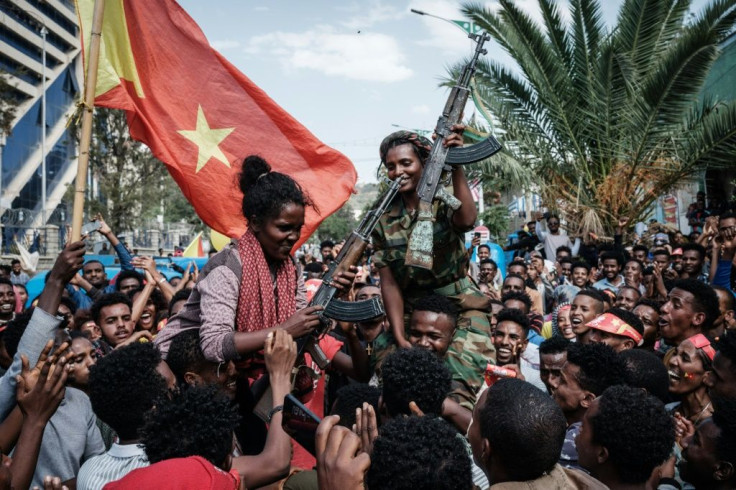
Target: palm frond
x,y
556,33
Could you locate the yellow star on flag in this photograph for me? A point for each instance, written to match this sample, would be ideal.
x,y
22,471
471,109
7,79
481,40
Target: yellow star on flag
x,y
207,140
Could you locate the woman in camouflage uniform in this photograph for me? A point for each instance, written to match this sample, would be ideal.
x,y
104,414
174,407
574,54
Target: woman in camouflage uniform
x,y
404,153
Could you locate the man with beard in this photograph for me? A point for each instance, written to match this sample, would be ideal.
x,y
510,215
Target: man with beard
x,y
627,297
553,238
511,341
612,278
486,276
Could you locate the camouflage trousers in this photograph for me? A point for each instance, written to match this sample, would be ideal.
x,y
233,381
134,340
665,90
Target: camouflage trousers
x,y
470,351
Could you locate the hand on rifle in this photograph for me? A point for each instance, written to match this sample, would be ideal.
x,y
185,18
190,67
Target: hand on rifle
x,y
343,280
302,322
455,138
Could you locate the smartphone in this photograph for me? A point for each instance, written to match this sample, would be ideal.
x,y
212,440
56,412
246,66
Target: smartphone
x,y
476,234
300,423
90,227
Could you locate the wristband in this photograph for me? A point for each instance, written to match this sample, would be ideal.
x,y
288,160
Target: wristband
x,y
274,411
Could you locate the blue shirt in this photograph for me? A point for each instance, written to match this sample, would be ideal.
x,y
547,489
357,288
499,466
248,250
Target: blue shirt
x,y
80,297
569,454
604,284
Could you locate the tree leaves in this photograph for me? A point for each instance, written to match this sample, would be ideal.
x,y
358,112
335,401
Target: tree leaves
x,y
607,120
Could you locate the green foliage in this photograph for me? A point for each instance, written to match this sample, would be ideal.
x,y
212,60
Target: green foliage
x,y
8,105
133,185
608,121
338,225
496,219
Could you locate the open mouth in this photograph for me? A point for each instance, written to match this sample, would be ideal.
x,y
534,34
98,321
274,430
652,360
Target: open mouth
x,y
503,351
146,317
674,377
122,334
6,307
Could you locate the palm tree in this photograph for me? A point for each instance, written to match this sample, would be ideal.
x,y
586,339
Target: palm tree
x,y
608,120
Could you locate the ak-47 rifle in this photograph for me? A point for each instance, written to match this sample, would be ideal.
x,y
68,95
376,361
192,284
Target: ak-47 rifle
x,y
356,311
420,248
350,254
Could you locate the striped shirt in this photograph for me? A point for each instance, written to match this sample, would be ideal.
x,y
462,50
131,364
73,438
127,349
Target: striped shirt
x,y
120,460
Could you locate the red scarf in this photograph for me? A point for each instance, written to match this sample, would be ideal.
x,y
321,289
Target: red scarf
x,y
257,308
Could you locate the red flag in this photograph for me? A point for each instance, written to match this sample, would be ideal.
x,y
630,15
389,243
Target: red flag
x,y
201,116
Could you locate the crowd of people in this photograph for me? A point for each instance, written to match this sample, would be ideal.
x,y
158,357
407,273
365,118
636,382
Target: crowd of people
x,y
585,364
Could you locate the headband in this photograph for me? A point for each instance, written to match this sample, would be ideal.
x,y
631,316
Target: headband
x,y
701,342
612,324
420,142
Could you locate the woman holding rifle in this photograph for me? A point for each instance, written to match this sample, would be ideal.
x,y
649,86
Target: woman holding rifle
x,y
254,285
404,154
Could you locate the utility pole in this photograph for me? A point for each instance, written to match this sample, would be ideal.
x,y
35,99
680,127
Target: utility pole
x,y
43,125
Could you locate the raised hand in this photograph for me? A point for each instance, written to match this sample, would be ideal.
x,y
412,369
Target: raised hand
x,y
68,262
341,465
140,336
30,375
104,227
279,353
39,395
195,272
366,426
684,429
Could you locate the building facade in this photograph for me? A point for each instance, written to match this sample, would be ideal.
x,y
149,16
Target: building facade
x,y
29,31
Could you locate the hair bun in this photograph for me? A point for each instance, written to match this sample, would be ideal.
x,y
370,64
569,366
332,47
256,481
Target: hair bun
x,y
253,168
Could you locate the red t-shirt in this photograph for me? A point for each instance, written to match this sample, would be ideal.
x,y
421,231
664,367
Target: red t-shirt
x,y
193,473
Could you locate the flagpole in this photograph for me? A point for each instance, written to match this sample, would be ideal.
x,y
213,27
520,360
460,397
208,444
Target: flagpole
x,y
93,58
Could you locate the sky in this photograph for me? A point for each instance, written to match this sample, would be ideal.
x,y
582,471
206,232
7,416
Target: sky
x,y
352,72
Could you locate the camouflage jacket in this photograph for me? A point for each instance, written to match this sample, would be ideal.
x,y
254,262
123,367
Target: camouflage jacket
x,y
390,240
